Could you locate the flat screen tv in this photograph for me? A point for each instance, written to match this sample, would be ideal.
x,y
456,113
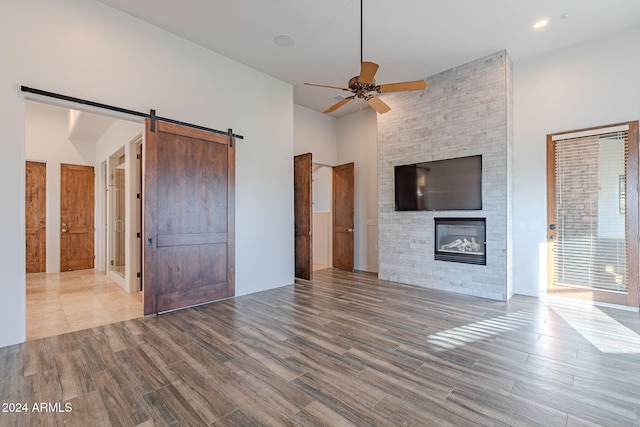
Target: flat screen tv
x,y
440,185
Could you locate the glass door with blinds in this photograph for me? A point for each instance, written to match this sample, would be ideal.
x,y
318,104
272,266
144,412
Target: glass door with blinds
x,y
592,214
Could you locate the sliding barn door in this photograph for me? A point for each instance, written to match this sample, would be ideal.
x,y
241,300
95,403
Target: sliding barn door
x,y
303,213
343,216
188,218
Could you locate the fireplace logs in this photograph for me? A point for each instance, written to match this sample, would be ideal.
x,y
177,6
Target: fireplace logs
x,y
460,240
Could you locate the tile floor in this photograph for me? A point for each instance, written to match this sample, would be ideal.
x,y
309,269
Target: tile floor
x,y
74,300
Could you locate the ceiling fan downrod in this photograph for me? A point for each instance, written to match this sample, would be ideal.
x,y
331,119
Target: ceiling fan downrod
x,y
361,38
364,85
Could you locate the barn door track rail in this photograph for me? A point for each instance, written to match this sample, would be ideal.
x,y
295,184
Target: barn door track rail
x,y
151,115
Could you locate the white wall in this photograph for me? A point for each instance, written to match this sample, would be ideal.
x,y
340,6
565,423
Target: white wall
x,y
47,139
588,85
322,177
87,50
357,143
315,133
322,237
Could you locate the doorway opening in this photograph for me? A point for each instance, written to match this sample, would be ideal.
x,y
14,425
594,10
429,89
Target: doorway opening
x,y
81,295
122,187
592,214
323,216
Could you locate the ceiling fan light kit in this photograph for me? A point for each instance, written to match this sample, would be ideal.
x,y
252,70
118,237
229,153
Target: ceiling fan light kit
x,y
364,86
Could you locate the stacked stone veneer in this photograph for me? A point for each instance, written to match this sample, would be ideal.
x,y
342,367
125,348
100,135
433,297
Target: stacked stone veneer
x,y
464,111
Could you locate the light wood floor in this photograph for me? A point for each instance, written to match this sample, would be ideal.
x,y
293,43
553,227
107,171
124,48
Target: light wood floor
x,y
344,350
75,300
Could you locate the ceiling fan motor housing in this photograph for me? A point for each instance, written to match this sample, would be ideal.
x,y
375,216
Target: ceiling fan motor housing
x,y
362,90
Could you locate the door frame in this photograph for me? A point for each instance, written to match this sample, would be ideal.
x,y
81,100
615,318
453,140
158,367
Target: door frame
x,y
132,282
112,160
332,219
632,209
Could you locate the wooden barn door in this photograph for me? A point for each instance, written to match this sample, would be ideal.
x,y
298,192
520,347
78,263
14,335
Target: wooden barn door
x,y
36,217
303,213
343,216
189,251
77,217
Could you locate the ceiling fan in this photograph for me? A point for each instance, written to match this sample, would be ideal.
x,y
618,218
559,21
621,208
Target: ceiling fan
x,y
364,86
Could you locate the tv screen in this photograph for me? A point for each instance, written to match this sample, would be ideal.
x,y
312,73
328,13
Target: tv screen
x,y
440,185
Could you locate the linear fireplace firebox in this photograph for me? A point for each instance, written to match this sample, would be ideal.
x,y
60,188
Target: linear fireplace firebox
x,y
461,240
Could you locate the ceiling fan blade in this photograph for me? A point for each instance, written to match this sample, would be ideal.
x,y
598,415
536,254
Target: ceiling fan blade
x,y
367,72
330,87
378,105
338,105
399,87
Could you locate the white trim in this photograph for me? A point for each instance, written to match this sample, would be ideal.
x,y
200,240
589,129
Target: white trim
x,y
592,132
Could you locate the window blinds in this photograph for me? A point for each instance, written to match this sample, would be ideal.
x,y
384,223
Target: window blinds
x,y
590,210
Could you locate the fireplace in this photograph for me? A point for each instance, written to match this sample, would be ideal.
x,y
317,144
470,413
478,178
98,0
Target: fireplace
x,y
461,240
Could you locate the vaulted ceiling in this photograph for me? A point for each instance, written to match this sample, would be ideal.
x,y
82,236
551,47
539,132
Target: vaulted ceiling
x,y
410,39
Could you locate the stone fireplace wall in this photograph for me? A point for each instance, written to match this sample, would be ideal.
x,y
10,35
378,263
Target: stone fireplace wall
x,y
463,112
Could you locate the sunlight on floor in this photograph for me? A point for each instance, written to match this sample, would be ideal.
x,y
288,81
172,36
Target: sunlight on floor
x,y
603,332
467,334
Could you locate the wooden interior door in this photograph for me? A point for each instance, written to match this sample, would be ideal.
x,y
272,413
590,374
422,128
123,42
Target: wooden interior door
x,y
36,217
189,248
303,214
77,217
343,216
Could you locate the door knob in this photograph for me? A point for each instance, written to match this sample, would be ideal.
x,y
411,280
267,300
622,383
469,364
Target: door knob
x,y
350,230
64,225
63,230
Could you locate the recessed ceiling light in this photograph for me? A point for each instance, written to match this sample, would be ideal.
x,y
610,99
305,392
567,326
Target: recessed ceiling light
x,y
541,24
284,40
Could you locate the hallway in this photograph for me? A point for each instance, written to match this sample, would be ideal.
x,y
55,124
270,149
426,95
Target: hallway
x,y
74,300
